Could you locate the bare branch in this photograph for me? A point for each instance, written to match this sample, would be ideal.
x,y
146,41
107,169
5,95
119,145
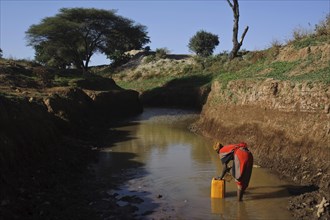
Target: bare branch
x,y
243,35
236,45
230,4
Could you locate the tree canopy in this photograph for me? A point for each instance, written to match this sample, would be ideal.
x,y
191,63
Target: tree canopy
x,y
203,43
72,36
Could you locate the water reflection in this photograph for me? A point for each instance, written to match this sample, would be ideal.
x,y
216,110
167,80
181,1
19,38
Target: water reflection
x,y
229,210
218,206
175,169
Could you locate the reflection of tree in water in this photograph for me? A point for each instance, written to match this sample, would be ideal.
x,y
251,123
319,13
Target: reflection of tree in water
x,y
155,135
161,136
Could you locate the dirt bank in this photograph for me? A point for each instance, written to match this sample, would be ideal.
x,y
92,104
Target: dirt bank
x,y
287,126
48,138
189,92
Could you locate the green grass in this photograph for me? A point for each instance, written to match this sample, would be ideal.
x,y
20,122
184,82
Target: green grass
x,y
66,80
238,70
280,70
191,80
255,65
144,85
321,75
310,41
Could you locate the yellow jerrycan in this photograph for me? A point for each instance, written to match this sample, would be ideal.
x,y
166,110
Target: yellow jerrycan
x,y
217,188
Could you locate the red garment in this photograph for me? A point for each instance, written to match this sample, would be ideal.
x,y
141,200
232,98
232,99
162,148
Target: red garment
x,y
242,162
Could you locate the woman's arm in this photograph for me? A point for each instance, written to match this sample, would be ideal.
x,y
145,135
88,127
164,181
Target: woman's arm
x,y
224,170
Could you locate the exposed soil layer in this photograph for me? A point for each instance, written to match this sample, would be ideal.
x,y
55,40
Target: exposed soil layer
x,y
287,128
49,137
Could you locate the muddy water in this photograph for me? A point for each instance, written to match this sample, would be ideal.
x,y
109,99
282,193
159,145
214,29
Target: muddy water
x,y
169,170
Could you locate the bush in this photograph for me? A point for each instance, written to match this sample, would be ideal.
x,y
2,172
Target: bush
x,y
275,43
323,28
300,33
161,53
149,59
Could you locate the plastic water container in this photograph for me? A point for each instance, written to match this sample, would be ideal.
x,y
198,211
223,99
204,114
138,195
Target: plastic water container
x,y
217,188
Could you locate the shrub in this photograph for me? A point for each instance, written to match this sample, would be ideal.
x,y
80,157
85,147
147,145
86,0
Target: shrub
x,y
300,33
275,43
323,28
149,58
161,53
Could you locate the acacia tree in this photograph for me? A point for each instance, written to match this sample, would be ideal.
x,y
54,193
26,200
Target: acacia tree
x,y
203,43
236,44
124,38
74,35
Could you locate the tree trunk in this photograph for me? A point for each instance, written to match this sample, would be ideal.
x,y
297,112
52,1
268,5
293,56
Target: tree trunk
x,y
236,44
85,68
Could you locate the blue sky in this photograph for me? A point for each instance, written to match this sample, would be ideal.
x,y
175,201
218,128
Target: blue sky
x,y
171,24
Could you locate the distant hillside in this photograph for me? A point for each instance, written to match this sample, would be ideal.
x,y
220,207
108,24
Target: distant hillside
x,y
305,59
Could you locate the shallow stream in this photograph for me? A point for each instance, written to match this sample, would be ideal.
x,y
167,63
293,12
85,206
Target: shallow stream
x,y
169,171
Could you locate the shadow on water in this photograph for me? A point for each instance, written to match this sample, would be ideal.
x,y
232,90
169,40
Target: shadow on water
x,y
113,136
298,190
263,197
112,171
231,194
69,187
117,171
280,192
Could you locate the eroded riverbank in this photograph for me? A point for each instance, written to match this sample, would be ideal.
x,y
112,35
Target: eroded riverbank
x,y
287,127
